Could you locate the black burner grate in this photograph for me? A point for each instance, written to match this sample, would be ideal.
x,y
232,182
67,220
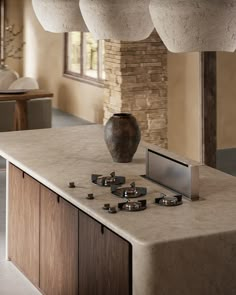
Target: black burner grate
x,y
128,192
107,180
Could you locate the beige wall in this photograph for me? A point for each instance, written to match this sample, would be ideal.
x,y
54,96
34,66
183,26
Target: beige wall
x,y
184,105
184,108
44,61
226,100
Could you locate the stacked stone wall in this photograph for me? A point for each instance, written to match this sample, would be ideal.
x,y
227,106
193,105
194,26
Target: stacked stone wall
x,y
136,82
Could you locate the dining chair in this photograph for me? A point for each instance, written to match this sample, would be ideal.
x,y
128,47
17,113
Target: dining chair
x,y
24,83
39,110
6,115
7,77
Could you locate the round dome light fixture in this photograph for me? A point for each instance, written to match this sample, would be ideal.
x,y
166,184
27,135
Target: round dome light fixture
x,y
125,20
59,16
195,25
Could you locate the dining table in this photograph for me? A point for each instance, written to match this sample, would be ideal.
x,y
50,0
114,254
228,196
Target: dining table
x,y
21,97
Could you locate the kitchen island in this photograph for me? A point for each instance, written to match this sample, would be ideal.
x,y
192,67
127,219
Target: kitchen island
x,y
188,249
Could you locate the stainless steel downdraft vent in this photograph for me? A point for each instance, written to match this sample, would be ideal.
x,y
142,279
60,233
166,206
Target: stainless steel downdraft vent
x,y
166,169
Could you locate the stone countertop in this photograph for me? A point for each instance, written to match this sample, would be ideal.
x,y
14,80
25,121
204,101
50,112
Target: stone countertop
x,y
188,249
57,156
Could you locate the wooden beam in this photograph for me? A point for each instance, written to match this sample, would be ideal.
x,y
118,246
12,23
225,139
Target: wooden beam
x,y
209,107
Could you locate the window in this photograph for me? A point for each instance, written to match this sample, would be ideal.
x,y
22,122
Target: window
x,y
84,58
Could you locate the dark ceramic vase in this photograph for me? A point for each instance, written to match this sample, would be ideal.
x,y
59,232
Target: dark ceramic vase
x,y
122,136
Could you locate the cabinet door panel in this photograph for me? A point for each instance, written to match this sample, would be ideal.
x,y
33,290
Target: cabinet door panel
x,y
90,260
117,264
104,260
23,226
58,245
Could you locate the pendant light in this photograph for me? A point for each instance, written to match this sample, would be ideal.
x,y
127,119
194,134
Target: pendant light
x,y
59,16
201,25
125,20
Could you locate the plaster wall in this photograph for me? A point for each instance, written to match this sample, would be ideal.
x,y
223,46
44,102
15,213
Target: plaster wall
x,y
43,60
226,100
184,105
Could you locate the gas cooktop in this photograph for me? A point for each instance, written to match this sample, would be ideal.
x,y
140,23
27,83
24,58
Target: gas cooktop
x,y
129,194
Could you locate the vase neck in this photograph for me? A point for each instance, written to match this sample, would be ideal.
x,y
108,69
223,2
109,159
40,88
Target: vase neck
x,y
122,115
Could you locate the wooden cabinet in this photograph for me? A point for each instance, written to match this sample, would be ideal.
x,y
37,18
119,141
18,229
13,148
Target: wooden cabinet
x,y
23,223
58,245
59,248
104,260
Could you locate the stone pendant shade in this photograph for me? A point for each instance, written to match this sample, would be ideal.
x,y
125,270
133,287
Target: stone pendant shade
x,y
125,20
195,25
59,16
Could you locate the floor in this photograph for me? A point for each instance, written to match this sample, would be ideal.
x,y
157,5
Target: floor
x,y
61,119
12,282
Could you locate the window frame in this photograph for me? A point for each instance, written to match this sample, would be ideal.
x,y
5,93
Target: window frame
x,y
81,76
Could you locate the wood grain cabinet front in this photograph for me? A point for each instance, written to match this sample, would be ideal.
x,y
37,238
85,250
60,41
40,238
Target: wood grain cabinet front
x,y
23,223
58,245
59,248
104,260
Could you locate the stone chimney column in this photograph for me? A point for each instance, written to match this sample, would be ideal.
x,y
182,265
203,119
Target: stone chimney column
x,y
136,82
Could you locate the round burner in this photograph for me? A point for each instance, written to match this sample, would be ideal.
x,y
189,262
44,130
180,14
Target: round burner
x,y
133,206
131,192
106,180
170,201
109,180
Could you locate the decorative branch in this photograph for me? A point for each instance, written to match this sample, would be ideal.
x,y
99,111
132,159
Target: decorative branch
x,y
13,44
